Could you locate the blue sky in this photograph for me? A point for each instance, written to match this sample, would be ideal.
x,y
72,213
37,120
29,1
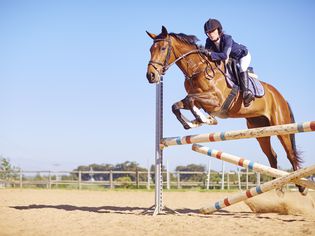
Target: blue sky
x,y
73,88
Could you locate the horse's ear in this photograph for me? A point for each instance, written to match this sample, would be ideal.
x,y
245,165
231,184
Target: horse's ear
x,y
152,36
164,30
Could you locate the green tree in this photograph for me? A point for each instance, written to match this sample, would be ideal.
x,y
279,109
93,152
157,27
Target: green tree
x,y
192,168
129,166
7,171
125,166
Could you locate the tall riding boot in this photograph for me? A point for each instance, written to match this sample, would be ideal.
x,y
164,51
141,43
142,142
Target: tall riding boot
x,y
247,94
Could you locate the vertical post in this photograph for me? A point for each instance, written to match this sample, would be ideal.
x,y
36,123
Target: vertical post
x,y
111,184
158,150
178,179
49,179
258,178
137,178
239,179
246,178
208,177
80,178
222,177
168,185
148,178
228,180
21,179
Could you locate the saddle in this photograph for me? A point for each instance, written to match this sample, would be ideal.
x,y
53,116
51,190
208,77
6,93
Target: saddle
x,y
233,78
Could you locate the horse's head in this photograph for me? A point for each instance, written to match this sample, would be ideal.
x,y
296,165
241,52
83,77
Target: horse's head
x,y
160,55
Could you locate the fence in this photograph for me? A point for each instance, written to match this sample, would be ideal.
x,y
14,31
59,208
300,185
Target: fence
x,y
135,179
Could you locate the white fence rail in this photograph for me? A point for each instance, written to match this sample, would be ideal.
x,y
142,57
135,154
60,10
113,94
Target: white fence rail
x,y
138,179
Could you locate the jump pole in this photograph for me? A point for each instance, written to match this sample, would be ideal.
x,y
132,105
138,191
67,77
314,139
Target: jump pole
x,y
240,134
276,183
249,164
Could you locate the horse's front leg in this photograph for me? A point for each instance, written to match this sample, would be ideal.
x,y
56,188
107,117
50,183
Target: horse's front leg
x,y
204,99
182,119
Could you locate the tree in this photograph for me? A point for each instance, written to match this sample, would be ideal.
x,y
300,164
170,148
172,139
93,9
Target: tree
x,y
129,166
125,166
192,168
7,171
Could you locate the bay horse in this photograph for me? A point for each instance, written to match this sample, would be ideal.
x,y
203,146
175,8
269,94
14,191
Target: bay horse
x,y
207,89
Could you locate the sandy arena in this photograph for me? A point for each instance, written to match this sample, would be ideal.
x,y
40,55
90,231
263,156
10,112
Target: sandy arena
x,y
74,212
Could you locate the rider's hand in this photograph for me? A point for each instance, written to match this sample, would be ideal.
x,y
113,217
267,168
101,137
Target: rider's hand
x,y
205,51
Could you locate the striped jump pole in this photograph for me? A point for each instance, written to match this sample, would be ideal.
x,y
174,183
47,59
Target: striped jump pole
x,y
240,134
249,164
276,183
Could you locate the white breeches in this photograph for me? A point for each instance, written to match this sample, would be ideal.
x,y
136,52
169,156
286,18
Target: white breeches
x,y
244,62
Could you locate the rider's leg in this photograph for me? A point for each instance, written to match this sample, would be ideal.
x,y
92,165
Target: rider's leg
x,y
247,94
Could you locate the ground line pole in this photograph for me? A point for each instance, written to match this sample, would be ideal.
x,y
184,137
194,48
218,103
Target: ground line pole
x,y
158,150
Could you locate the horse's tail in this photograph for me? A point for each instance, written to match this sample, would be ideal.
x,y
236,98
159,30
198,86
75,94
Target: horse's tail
x,y
297,153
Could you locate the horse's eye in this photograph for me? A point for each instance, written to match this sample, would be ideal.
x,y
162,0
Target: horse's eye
x,y
163,48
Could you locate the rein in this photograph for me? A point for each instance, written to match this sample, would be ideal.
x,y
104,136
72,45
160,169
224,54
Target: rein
x,y
181,57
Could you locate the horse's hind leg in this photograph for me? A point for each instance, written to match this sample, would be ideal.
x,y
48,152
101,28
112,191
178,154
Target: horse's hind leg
x,y
264,142
288,143
284,115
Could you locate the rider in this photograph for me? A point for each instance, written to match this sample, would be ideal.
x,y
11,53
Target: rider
x,y
220,46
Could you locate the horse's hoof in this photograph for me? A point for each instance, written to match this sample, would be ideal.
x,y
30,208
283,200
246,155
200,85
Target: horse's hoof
x,y
186,127
212,120
303,190
215,122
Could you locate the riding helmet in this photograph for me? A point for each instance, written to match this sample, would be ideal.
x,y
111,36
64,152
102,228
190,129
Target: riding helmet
x,y
211,25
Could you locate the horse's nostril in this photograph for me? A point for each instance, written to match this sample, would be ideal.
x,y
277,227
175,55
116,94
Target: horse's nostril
x,y
150,75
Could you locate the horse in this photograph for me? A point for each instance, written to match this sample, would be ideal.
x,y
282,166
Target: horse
x,y
207,89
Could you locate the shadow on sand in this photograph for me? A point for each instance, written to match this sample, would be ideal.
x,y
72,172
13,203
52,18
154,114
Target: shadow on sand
x,y
149,211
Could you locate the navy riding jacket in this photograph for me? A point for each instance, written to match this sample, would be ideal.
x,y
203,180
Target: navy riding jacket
x,y
228,48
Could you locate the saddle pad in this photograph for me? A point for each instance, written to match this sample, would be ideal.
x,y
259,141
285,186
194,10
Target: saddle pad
x,y
255,85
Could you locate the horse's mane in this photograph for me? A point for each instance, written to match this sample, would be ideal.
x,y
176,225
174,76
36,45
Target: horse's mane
x,y
188,39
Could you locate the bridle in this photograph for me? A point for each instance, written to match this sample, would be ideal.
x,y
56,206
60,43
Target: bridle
x,y
166,65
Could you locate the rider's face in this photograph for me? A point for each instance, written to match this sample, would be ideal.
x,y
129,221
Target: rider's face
x,y
214,35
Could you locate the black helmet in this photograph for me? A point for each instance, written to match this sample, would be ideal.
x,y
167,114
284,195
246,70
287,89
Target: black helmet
x,y
211,25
